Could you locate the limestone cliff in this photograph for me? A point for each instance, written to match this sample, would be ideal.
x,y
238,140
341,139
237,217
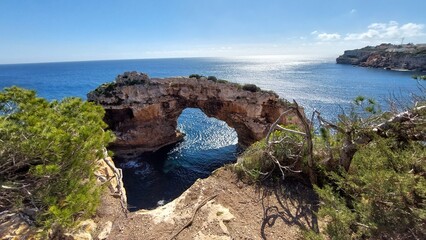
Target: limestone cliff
x,y
396,57
143,112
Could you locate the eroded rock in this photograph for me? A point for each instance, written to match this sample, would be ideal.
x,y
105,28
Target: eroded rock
x,y
143,112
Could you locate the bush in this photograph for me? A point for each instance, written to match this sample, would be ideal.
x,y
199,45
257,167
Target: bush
x,y
197,76
251,88
48,154
419,77
383,195
257,161
222,81
380,194
253,162
212,78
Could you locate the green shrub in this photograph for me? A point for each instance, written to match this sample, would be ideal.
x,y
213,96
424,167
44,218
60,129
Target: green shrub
x,y
222,81
251,87
254,162
106,89
197,76
48,154
257,162
384,193
419,77
212,78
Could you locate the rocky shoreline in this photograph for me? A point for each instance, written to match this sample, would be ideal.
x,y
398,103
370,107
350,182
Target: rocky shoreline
x,y
405,57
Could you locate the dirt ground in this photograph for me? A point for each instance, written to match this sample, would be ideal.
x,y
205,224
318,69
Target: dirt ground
x,y
237,211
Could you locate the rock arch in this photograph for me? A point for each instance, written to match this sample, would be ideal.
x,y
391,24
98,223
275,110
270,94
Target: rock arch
x,y
143,112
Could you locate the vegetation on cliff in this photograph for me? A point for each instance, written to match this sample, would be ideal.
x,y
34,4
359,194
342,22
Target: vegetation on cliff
x,y
405,56
369,168
47,157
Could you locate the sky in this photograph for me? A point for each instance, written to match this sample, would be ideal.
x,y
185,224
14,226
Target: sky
x,y
79,30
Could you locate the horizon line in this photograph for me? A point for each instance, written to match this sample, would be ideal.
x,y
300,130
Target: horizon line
x,y
183,57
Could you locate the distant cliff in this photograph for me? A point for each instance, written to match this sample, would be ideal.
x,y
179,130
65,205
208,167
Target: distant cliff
x,y
395,57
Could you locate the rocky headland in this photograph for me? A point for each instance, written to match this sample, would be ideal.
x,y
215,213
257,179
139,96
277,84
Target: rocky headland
x,y
410,57
143,112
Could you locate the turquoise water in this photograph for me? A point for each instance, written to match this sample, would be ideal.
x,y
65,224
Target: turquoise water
x,y
155,179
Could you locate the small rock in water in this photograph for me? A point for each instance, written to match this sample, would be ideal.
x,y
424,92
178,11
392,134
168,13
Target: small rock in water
x,y
161,202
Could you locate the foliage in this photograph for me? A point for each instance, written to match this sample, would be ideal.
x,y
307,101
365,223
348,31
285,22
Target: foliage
x,y
257,163
106,89
253,161
222,81
383,194
47,156
251,88
197,76
419,77
212,78
370,168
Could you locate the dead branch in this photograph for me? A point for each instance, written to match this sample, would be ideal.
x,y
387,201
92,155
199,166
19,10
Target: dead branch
x,y
193,215
272,128
290,130
308,137
404,117
297,156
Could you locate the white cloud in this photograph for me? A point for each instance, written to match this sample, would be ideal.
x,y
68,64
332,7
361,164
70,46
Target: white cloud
x,y
326,36
391,30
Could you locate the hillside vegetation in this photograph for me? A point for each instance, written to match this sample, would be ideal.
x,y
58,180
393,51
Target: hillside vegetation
x,y
47,156
368,169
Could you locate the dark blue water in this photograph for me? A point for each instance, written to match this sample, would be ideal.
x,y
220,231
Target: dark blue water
x,y
160,177
165,174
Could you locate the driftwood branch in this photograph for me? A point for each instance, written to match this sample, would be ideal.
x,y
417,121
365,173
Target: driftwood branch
x,y
193,216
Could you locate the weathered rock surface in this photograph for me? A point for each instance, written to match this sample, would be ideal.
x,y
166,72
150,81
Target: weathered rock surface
x,y
239,211
388,56
143,112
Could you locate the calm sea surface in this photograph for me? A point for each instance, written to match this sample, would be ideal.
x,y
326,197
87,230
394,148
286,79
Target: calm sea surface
x,y
155,179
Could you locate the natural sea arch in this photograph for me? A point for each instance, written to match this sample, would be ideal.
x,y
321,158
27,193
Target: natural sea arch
x,y
154,179
143,112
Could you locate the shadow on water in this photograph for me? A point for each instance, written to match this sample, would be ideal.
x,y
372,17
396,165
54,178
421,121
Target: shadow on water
x,y
156,178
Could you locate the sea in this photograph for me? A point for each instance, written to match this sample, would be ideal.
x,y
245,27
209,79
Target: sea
x,y
155,179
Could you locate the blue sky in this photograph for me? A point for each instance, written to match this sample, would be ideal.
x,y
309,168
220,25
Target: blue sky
x,y
73,30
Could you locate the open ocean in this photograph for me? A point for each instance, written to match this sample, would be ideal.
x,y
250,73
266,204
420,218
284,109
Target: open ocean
x,y
158,178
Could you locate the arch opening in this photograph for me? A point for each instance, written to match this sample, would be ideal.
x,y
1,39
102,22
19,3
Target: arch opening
x,y
156,178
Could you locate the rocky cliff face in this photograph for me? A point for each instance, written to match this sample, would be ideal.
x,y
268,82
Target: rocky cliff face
x,y
388,56
143,112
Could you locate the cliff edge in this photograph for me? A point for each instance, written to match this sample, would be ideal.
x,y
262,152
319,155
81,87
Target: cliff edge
x,y
388,56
